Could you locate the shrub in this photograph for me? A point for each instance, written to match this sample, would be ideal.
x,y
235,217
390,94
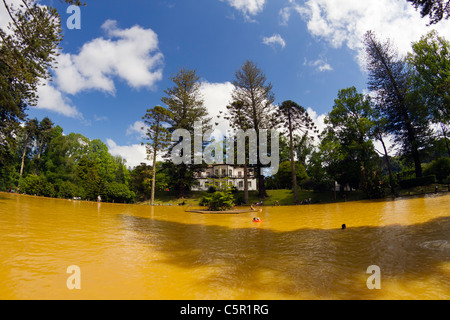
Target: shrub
x,y
219,201
423,181
446,180
37,185
119,192
316,186
440,168
68,190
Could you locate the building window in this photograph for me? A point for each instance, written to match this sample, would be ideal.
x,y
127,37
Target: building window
x,y
216,172
224,172
230,172
249,184
241,184
239,173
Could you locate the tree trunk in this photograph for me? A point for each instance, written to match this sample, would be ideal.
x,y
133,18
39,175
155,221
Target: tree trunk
x,y
182,176
401,104
334,189
152,200
245,183
39,156
291,149
444,132
23,159
388,162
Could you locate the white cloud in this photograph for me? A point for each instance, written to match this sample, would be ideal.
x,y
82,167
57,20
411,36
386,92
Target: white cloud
x,y
285,13
320,65
391,147
100,118
51,99
247,7
319,121
134,154
129,54
344,22
136,129
5,19
216,97
276,39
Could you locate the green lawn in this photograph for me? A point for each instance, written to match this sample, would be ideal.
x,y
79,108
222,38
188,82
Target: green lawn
x,y
284,197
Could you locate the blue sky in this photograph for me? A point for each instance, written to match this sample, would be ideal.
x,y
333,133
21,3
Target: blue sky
x,y
118,64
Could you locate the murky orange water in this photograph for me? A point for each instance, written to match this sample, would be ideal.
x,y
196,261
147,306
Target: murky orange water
x,y
143,252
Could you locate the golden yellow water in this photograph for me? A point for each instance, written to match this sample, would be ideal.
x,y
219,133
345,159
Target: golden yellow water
x,y
144,252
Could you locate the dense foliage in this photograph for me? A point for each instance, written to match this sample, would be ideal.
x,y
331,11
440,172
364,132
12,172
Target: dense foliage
x,y
219,200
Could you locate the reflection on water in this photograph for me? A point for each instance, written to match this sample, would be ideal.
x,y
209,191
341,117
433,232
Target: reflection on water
x,y
143,252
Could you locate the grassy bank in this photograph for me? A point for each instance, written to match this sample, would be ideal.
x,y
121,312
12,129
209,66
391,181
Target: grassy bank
x,y
286,197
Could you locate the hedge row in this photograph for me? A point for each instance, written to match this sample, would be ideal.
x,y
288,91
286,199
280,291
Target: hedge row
x,y
423,181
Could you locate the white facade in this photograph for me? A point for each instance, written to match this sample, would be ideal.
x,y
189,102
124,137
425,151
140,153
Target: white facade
x,y
222,173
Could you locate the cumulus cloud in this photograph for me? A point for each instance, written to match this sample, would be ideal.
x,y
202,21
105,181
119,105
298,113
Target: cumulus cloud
x,y
274,40
129,54
216,97
5,19
134,154
344,22
51,99
247,7
319,122
136,129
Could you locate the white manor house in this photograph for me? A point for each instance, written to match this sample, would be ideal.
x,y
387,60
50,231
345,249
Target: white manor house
x,y
234,174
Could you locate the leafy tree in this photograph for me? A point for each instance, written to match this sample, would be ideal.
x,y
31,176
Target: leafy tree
x,y
158,137
283,178
28,48
439,168
44,133
325,163
395,98
294,118
63,154
221,199
349,128
379,132
255,93
88,177
37,185
68,190
430,60
141,179
119,192
436,10
185,103
30,130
